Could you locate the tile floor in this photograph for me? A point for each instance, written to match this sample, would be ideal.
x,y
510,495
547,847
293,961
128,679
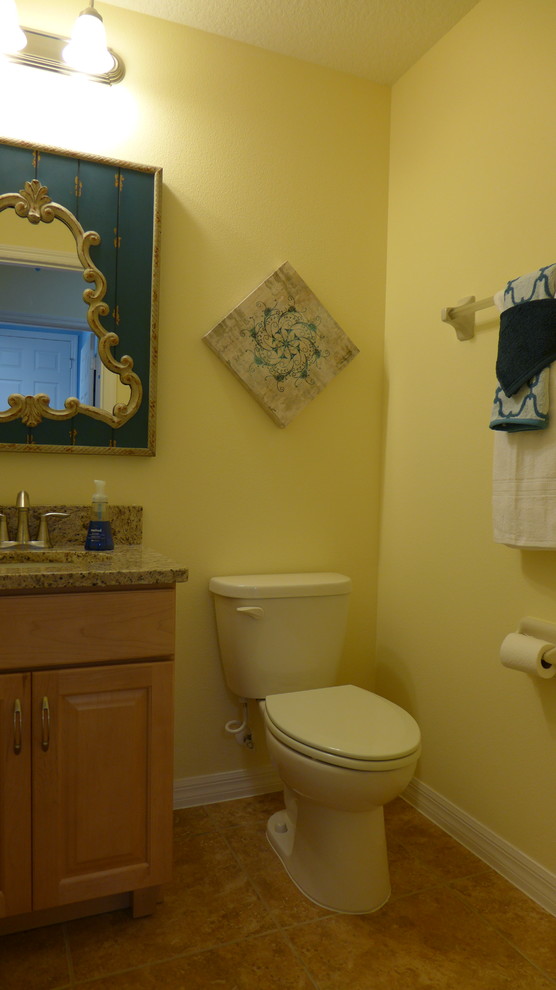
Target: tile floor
x,y
232,920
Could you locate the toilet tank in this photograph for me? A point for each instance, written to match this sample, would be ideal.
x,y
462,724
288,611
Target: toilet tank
x,y
280,632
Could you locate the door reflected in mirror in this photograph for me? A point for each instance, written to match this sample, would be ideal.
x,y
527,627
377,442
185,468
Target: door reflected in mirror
x,y
46,344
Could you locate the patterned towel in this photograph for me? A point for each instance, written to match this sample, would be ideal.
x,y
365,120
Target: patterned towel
x,y
527,408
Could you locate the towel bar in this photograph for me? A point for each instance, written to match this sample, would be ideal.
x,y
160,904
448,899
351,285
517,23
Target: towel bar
x,y
462,316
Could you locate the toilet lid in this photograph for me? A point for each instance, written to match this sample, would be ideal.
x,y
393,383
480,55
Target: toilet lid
x,y
345,721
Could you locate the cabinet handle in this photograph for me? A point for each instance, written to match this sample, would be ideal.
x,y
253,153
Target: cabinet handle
x,y
17,726
45,724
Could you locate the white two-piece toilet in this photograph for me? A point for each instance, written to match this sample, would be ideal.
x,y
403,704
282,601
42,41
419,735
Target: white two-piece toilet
x,y
341,752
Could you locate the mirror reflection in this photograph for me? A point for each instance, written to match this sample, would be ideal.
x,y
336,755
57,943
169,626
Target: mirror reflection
x,y
46,344
34,204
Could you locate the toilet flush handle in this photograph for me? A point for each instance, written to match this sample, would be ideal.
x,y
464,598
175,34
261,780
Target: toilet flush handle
x,y
255,611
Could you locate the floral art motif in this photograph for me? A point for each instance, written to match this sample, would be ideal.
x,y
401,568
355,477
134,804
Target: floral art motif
x,y
286,344
282,344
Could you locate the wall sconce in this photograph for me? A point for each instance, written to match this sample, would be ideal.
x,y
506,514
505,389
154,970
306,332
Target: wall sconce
x,y
84,54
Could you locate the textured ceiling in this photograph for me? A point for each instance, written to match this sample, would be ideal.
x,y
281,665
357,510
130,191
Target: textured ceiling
x,y
376,39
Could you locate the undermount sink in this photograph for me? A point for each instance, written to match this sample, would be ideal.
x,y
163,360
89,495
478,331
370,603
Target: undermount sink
x,y
42,555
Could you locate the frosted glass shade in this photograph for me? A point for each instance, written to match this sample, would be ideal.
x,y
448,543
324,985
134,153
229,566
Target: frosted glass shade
x,y
12,38
87,50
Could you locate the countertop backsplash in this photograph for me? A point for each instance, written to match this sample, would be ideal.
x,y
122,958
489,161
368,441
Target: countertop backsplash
x,y
71,530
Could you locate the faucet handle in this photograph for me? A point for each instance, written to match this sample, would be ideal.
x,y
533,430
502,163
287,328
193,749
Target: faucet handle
x,y
43,539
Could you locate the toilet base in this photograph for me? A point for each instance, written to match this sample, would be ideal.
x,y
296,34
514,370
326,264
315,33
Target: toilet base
x,y
337,859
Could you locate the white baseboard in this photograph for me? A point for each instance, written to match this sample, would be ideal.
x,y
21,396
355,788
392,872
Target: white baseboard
x,y
213,787
522,871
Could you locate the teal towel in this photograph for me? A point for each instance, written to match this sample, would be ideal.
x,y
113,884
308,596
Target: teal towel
x,y
528,407
527,342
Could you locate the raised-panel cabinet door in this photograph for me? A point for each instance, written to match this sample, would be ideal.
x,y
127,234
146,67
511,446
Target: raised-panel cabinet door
x,y
15,794
102,781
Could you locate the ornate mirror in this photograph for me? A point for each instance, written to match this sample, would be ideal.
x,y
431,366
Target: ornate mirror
x,y
78,302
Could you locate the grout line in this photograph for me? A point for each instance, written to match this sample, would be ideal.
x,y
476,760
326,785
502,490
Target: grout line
x,y
69,956
493,927
274,914
169,959
252,884
300,960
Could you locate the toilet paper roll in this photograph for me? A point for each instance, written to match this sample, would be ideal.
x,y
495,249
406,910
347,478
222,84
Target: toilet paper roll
x,y
526,653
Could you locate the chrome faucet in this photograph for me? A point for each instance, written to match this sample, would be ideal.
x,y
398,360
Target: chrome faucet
x,y
43,540
23,539
22,504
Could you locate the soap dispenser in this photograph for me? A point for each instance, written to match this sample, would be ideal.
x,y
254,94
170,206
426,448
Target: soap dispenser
x,y
99,534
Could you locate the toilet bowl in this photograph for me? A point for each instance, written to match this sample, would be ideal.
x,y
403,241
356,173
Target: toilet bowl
x,y
342,754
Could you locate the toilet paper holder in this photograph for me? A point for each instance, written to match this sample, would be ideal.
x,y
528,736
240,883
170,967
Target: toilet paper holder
x,y
540,629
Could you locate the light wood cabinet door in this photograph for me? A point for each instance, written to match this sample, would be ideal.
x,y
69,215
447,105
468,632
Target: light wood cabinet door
x,y
15,794
102,780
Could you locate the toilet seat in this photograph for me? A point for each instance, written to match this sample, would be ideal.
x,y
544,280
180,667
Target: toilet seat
x,y
344,726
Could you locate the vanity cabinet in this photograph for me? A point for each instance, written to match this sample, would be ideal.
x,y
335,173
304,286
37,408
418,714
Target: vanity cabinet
x,y
86,739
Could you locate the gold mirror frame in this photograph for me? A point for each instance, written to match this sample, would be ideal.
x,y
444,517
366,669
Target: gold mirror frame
x,y
34,204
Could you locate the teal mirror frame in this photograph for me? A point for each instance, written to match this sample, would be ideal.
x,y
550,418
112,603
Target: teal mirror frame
x,y
120,201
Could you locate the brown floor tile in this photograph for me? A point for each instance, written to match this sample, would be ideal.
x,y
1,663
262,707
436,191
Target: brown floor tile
x,y
281,896
251,847
199,856
400,812
190,821
429,940
452,923
407,874
265,963
246,811
211,901
35,960
431,848
527,926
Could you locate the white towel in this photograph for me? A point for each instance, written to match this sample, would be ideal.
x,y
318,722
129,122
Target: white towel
x,y
524,484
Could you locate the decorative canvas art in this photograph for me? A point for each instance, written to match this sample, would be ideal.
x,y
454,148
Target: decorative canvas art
x,y
282,344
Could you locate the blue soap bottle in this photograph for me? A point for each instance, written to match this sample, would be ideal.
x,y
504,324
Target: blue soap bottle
x,y
99,534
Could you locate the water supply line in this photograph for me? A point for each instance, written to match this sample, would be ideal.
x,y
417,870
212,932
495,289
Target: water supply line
x,y
241,730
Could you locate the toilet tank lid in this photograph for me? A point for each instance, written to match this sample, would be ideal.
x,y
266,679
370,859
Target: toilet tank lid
x,y
280,585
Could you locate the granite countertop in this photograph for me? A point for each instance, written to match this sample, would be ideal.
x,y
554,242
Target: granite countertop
x,y
69,567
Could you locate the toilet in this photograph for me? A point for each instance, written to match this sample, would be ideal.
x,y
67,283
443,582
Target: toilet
x,y
341,752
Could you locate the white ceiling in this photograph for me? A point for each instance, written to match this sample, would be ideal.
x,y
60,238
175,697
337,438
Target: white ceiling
x,y
376,39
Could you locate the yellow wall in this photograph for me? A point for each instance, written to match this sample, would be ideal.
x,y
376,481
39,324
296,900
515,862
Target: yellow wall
x,y
472,204
265,159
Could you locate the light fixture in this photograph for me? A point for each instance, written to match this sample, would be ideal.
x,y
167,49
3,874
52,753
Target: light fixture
x,y
87,50
85,54
12,38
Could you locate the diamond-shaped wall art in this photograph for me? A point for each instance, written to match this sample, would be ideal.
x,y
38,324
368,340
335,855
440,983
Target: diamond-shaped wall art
x,y
282,344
